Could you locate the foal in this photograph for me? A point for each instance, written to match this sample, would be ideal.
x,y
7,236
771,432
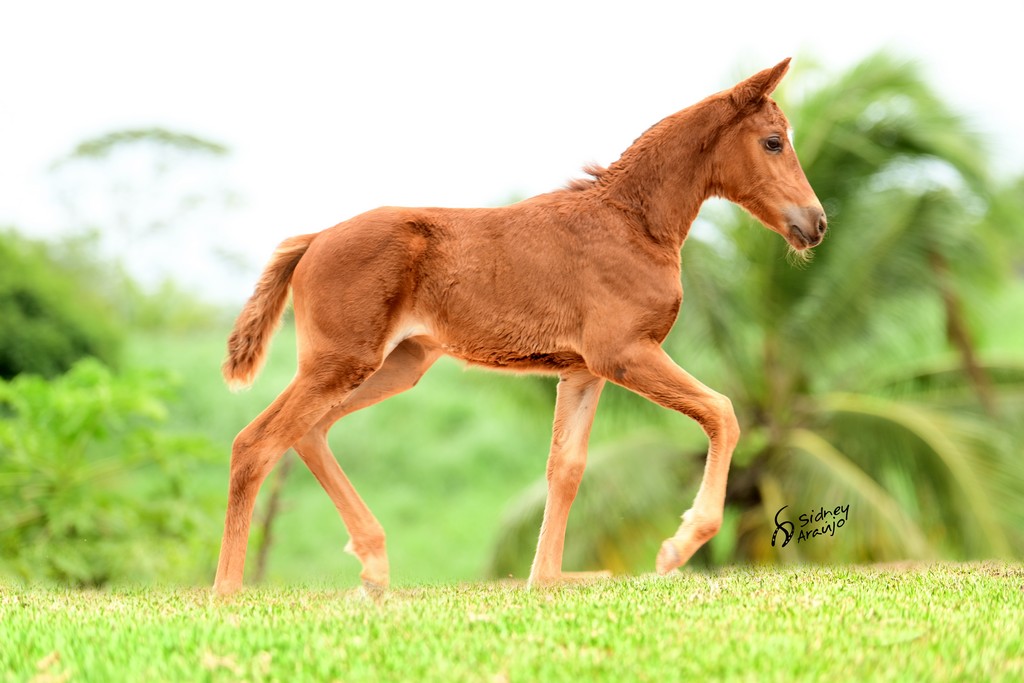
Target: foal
x,y
583,282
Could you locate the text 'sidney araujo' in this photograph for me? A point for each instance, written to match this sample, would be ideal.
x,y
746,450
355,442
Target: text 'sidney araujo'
x,y
820,522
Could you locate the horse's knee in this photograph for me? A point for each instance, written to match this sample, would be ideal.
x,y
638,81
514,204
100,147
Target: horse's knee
x,y
703,526
565,469
566,475
708,529
725,422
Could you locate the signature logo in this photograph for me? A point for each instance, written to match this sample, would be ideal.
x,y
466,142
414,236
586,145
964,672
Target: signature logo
x,y
785,527
820,522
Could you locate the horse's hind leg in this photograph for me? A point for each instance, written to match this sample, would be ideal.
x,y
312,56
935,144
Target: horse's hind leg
x,y
261,444
400,371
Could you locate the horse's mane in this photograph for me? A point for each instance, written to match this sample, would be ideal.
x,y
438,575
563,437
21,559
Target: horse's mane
x,y
703,122
595,171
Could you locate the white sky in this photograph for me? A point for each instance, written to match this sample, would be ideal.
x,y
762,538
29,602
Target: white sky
x,y
333,108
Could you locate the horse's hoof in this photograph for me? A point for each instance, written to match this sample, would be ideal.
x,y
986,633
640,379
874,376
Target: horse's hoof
x,y
226,589
668,558
374,591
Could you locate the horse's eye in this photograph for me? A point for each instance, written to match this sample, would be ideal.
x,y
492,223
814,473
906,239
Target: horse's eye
x,y
773,144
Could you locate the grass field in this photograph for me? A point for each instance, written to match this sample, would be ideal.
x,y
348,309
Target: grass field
x,y
914,623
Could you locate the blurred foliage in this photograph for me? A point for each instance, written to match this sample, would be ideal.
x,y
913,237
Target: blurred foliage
x,y
104,145
91,489
151,200
49,316
61,301
92,476
857,377
139,182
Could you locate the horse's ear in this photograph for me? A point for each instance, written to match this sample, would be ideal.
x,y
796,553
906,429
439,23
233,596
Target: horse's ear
x,y
759,86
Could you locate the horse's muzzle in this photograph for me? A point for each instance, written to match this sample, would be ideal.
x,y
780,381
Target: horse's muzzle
x,y
806,225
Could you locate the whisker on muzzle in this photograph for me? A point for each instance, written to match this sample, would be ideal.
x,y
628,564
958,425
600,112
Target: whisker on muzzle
x,y
799,258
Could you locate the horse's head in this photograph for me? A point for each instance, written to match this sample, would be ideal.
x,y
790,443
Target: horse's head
x,y
757,168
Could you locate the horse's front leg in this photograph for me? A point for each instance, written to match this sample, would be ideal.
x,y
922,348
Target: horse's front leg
x,y
578,394
646,369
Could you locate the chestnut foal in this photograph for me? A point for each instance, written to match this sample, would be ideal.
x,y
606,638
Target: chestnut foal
x,y
582,282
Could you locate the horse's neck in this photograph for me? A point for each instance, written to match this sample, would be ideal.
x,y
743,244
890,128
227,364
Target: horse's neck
x,y
666,175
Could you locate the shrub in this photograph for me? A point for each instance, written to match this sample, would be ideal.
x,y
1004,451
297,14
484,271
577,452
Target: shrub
x,y
49,317
91,490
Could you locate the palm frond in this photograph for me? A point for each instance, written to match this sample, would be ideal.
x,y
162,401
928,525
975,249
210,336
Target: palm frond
x,y
900,534
955,442
881,109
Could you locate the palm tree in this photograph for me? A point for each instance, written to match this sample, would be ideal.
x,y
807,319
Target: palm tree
x,y
856,378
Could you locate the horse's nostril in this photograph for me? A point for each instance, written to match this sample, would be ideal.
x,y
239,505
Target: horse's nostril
x,y
808,223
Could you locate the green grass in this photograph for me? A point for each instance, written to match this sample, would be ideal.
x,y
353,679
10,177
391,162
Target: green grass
x,y
943,622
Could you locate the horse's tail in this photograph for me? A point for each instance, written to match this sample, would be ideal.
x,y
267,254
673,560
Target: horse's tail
x,y
261,316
